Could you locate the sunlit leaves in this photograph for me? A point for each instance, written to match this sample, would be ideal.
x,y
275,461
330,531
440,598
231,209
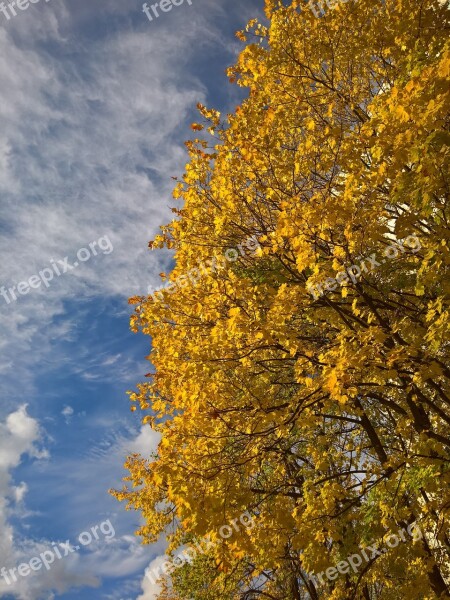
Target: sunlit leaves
x,y
329,417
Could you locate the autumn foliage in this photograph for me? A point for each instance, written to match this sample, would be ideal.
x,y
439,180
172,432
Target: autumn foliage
x,y
328,418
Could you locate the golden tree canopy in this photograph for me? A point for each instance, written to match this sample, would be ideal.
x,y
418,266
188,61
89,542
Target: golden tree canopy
x,y
303,375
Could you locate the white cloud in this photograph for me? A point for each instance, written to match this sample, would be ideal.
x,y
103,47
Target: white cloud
x,y
19,492
146,442
20,435
120,556
67,413
151,588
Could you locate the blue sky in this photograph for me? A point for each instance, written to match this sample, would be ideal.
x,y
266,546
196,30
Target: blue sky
x,y
96,102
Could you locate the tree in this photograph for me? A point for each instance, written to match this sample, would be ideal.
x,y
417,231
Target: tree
x,y
308,380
